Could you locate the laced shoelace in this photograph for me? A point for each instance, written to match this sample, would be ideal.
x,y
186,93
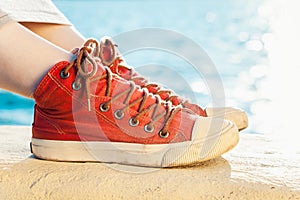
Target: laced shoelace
x,y
109,57
87,62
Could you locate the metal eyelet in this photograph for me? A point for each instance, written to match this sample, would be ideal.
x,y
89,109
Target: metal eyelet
x,y
63,75
104,107
133,122
119,114
163,135
76,87
148,128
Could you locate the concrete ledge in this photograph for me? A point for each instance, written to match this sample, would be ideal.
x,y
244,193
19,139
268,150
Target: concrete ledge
x,y
255,169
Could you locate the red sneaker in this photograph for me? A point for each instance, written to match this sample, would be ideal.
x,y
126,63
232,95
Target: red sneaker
x,y
84,112
110,57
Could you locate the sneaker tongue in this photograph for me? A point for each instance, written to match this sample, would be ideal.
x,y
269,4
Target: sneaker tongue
x,y
107,53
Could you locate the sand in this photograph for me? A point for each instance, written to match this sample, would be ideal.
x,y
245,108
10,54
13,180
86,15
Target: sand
x,y
255,169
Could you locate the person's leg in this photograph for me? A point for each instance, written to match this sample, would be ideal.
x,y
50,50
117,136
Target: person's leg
x,y
25,58
64,36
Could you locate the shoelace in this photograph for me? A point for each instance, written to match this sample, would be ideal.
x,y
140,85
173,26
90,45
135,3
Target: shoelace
x,y
87,62
109,57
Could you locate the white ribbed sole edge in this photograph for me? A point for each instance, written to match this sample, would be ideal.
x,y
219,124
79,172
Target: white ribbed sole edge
x,y
151,155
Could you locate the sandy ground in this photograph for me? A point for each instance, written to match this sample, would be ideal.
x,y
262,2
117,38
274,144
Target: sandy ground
x,y
255,169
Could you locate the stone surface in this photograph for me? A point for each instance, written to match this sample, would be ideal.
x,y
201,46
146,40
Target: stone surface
x,y
256,169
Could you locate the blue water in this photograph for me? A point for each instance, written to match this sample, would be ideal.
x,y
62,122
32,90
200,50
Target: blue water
x,y
229,31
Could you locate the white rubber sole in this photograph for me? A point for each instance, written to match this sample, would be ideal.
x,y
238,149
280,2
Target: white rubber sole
x,y
207,143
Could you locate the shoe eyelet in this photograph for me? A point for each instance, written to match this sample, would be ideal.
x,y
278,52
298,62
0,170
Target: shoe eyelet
x,y
148,128
163,135
104,107
119,114
76,87
63,75
133,122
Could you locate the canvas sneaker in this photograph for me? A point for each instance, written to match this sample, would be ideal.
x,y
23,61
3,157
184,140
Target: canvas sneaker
x,y
84,112
111,57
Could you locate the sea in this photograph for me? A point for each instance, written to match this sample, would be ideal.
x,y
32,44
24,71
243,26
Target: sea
x,y
232,35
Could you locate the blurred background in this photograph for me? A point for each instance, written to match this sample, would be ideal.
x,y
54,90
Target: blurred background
x,y
253,44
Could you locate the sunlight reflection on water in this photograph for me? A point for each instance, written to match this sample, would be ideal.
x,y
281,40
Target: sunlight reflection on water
x,y
277,115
